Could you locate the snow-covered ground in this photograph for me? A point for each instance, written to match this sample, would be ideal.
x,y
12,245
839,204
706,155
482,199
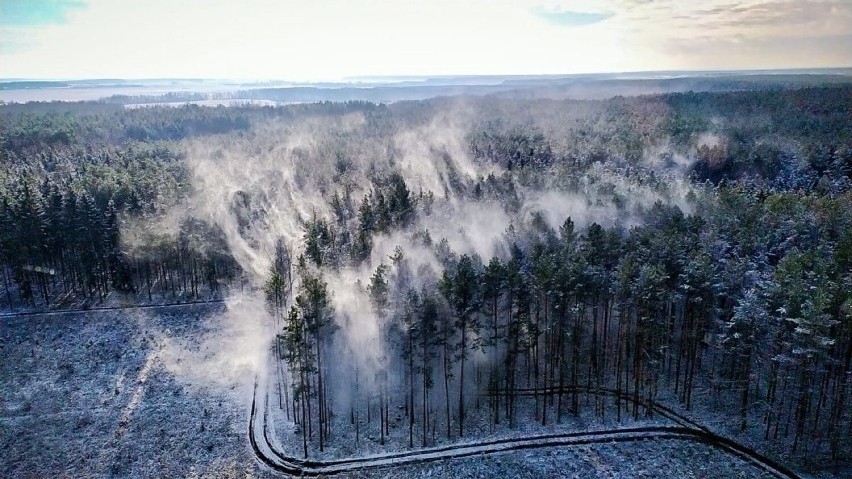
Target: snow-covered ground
x,y
95,395
651,459
153,393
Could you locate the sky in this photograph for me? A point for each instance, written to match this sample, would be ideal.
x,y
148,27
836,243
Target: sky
x,y
317,40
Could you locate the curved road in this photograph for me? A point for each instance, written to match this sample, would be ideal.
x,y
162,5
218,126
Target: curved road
x,y
686,430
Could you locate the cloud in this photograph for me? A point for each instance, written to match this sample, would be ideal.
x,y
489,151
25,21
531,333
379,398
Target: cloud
x,y
628,4
750,52
25,13
776,13
569,18
12,40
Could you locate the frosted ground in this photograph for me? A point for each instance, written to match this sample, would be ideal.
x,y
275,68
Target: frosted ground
x,y
126,394
91,395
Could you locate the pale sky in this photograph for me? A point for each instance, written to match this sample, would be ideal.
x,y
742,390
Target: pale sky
x,y
330,40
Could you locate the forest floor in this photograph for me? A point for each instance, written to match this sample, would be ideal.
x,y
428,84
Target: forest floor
x,y
145,393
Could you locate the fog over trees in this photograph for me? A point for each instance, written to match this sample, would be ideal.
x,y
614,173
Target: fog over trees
x,y
453,259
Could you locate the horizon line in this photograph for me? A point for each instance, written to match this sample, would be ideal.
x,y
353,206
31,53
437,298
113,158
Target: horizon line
x,y
847,70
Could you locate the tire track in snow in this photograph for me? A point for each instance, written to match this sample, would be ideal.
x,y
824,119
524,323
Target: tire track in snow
x,y
136,398
132,405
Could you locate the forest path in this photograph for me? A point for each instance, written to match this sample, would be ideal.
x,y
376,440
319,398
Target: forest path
x,y
107,308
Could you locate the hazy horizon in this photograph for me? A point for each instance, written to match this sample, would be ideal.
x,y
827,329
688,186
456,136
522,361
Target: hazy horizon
x,y
355,79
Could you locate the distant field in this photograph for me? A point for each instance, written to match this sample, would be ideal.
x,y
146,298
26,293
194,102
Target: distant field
x,y
390,89
222,102
64,93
